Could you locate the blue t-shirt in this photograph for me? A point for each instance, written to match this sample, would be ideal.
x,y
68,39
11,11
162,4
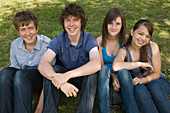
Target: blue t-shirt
x,y
108,60
69,55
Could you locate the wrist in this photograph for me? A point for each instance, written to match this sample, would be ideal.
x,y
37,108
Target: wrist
x,y
139,64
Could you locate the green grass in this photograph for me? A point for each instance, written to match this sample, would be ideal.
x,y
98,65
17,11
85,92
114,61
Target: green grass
x,y
157,11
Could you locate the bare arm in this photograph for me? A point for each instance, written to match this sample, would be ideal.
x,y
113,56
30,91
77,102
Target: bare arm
x,y
100,50
58,79
119,63
44,66
156,62
91,67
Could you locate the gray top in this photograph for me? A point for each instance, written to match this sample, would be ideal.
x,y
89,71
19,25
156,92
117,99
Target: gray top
x,y
137,71
23,59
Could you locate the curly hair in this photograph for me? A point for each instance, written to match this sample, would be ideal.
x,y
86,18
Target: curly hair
x,y
74,10
24,18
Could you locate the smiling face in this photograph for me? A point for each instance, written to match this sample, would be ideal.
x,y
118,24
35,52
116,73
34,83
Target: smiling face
x,y
114,27
140,36
72,25
28,33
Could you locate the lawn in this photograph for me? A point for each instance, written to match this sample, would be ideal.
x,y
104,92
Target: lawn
x,y
157,11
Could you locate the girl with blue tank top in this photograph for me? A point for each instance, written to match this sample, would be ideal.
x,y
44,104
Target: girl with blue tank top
x,y
113,37
142,58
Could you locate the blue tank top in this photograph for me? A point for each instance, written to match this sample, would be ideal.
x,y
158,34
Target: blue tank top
x,y
108,60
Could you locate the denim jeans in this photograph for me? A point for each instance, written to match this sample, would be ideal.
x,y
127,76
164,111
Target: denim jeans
x,y
127,91
87,84
6,90
151,98
26,81
165,84
103,90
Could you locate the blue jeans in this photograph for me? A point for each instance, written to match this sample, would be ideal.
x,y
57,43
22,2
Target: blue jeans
x,y
87,84
103,90
6,90
151,98
26,81
165,84
127,91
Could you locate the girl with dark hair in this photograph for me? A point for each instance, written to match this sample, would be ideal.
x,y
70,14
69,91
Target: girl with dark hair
x,y
112,39
142,58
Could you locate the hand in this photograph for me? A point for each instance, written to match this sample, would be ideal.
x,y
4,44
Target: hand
x,y
69,90
115,83
59,79
137,81
146,66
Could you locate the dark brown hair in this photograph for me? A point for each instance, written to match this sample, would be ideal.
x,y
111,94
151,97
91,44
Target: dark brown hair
x,y
74,10
24,18
112,14
143,49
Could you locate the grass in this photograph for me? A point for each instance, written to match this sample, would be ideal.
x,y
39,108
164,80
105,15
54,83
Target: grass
x,y
48,12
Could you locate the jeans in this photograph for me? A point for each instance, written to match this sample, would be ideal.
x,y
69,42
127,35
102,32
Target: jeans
x,y
151,98
6,90
127,91
103,90
87,84
165,84
26,81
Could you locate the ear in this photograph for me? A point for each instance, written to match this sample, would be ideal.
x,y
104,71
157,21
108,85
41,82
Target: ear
x,y
18,31
131,32
37,28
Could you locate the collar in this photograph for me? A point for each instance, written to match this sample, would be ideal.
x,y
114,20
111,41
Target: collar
x,y
68,42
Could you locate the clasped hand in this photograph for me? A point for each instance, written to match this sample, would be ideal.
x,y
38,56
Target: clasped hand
x,y
146,66
59,78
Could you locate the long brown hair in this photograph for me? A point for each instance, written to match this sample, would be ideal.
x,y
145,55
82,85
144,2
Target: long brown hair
x,y
143,49
112,14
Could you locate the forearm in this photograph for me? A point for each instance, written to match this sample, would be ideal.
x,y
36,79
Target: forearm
x,y
87,69
150,77
125,65
46,70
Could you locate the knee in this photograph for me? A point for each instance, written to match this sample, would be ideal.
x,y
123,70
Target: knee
x,y
124,76
18,78
104,73
140,91
154,86
5,75
59,69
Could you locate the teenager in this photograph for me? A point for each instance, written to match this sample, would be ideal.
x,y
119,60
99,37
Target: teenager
x,y
142,58
78,60
22,78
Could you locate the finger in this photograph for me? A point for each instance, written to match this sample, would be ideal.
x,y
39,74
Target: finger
x,y
67,95
76,89
70,94
74,93
58,86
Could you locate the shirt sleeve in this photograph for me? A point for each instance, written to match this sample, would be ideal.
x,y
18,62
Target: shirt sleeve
x,y
54,45
91,43
13,59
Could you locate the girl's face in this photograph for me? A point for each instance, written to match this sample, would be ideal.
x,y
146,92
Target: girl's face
x,y
114,27
140,36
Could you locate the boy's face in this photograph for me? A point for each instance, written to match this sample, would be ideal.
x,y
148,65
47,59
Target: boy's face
x,y
28,33
72,25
